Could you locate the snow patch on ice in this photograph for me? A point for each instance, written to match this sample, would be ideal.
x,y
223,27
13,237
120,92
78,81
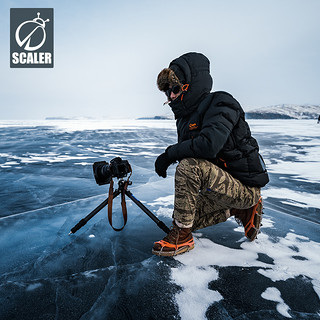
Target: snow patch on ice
x,y
306,171
273,294
164,201
195,296
166,206
50,157
285,254
33,286
301,128
292,197
83,163
292,256
164,212
90,273
298,155
207,253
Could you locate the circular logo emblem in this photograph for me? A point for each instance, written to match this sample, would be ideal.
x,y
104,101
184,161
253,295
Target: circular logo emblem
x,y
35,24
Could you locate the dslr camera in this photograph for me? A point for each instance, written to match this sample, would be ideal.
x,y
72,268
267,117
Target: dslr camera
x,y
104,172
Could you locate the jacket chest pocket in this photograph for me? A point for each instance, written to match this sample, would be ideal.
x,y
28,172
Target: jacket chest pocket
x,y
189,128
194,126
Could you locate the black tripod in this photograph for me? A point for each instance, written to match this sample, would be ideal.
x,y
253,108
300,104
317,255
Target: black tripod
x,y
122,189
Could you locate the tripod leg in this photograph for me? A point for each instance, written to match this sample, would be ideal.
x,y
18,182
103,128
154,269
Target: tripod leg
x,y
83,221
159,223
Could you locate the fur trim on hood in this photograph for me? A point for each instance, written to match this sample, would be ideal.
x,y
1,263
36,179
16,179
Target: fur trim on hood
x,y
167,78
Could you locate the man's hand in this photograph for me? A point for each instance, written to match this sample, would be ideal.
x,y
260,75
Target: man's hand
x,y
162,163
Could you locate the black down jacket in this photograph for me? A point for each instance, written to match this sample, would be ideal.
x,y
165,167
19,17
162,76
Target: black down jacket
x,y
212,126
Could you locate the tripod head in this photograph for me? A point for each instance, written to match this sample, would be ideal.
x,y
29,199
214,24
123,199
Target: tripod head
x,y
122,183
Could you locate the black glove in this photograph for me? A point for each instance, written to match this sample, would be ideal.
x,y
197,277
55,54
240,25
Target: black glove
x,y
162,163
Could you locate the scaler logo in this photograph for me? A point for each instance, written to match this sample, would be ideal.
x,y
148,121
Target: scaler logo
x,y
31,38
37,23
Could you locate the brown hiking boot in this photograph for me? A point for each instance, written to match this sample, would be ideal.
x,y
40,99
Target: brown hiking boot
x,y
250,218
177,241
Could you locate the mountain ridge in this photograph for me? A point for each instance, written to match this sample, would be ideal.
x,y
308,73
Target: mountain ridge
x,y
285,111
279,111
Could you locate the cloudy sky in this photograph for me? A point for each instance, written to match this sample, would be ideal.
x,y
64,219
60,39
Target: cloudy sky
x,y
108,55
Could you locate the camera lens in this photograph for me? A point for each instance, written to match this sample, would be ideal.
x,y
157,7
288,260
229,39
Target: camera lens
x,y
102,172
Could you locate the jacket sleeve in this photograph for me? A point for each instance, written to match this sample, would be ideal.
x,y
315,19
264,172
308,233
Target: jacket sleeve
x,y
217,124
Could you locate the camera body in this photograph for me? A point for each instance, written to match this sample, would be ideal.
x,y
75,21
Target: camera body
x,y
104,172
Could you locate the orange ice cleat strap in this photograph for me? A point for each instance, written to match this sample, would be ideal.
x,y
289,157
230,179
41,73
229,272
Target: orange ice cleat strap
x,y
250,223
164,243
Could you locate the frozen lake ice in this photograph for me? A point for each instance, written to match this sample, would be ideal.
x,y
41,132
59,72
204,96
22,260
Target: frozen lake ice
x,y
97,273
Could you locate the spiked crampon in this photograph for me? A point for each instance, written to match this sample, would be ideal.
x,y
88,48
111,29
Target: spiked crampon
x,y
250,218
177,241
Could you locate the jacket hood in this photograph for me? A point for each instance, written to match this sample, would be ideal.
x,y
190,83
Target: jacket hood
x,y
193,69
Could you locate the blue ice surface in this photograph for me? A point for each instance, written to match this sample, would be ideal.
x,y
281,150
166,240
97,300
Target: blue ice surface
x,y
97,273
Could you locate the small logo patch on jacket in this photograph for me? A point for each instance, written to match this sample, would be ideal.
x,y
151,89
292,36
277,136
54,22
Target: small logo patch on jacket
x,y
193,126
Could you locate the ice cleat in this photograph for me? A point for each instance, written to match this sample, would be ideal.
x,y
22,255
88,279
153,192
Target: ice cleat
x,y
250,218
177,241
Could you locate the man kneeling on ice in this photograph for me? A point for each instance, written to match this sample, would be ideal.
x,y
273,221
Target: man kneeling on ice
x,y
220,170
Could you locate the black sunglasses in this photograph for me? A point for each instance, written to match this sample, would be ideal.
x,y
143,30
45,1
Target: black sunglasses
x,y
175,89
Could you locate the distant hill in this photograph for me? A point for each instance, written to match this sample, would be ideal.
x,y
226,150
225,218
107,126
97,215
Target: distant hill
x,y
57,118
155,118
167,116
285,111
281,111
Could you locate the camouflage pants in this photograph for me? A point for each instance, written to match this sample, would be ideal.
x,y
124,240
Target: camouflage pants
x,y
204,193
